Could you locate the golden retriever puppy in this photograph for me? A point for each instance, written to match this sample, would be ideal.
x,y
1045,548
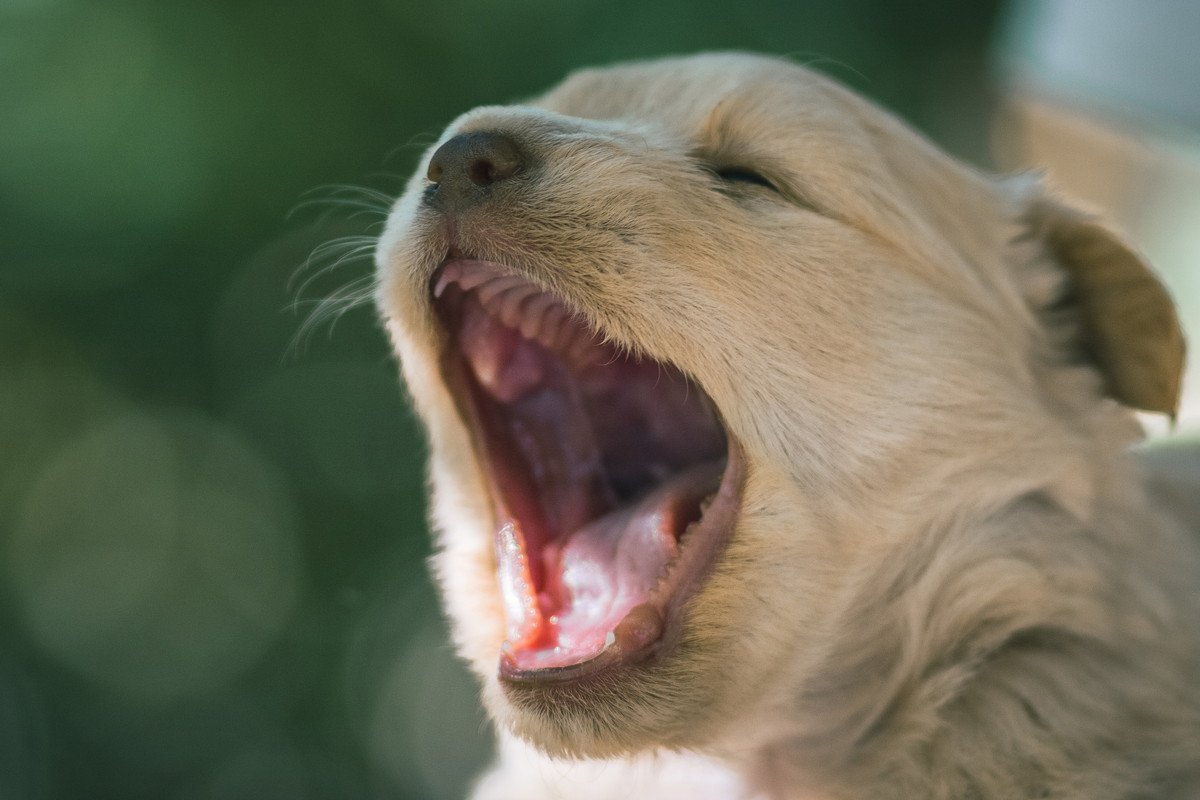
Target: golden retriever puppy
x,y
775,454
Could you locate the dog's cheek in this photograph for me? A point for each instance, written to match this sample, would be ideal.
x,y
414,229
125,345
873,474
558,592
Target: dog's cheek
x,y
757,621
787,346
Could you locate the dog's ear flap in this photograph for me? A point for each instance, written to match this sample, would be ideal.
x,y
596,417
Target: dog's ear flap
x,y
1130,327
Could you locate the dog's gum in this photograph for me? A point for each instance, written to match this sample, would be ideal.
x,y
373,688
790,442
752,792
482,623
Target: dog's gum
x,y
642,626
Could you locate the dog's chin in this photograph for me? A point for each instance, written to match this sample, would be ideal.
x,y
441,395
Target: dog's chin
x,y
613,486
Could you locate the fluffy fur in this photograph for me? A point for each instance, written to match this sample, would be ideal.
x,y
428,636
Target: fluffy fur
x,y
949,577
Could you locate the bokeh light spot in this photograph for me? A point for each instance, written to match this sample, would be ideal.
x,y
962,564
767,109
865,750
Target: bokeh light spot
x,y
48,396
156,555
428,727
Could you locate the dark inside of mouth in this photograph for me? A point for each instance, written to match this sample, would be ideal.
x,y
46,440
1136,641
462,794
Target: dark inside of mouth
x,y
598,461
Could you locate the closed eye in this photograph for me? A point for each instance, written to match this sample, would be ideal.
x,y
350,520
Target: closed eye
x,y
743,175
743,182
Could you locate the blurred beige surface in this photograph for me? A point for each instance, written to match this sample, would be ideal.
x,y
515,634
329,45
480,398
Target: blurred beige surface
x,y
1101,94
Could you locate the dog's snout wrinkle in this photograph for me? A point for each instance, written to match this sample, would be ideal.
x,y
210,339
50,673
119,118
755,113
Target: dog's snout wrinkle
x,y
468,164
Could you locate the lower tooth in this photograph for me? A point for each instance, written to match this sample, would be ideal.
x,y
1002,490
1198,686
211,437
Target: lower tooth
x,y
610,639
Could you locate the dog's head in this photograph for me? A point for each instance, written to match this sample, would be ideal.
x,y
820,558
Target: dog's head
x,y
696,339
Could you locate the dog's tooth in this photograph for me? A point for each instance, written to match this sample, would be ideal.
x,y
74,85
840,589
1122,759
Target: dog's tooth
x,y
449,275
610,639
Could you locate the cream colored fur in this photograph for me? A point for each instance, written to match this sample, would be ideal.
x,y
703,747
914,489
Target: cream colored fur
x,y
947,579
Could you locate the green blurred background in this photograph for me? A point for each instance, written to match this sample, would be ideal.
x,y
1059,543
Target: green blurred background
x,y
212,537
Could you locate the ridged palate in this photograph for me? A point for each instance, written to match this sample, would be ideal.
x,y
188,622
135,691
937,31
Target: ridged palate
x,y
516,303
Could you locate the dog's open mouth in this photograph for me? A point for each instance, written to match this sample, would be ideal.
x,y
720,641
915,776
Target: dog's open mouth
x,y
613,481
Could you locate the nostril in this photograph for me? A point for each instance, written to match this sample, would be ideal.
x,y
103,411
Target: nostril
x,y
480,158
486,171
480,171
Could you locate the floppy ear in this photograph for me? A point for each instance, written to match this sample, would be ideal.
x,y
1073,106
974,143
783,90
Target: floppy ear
x,y
1130,328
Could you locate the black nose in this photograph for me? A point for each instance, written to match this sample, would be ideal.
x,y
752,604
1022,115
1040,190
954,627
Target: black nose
x,y
469,163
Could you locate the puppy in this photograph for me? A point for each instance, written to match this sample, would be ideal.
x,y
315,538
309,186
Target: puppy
x,y
775,454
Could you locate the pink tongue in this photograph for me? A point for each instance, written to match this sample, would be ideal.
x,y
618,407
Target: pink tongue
x,y
609,566
612,565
